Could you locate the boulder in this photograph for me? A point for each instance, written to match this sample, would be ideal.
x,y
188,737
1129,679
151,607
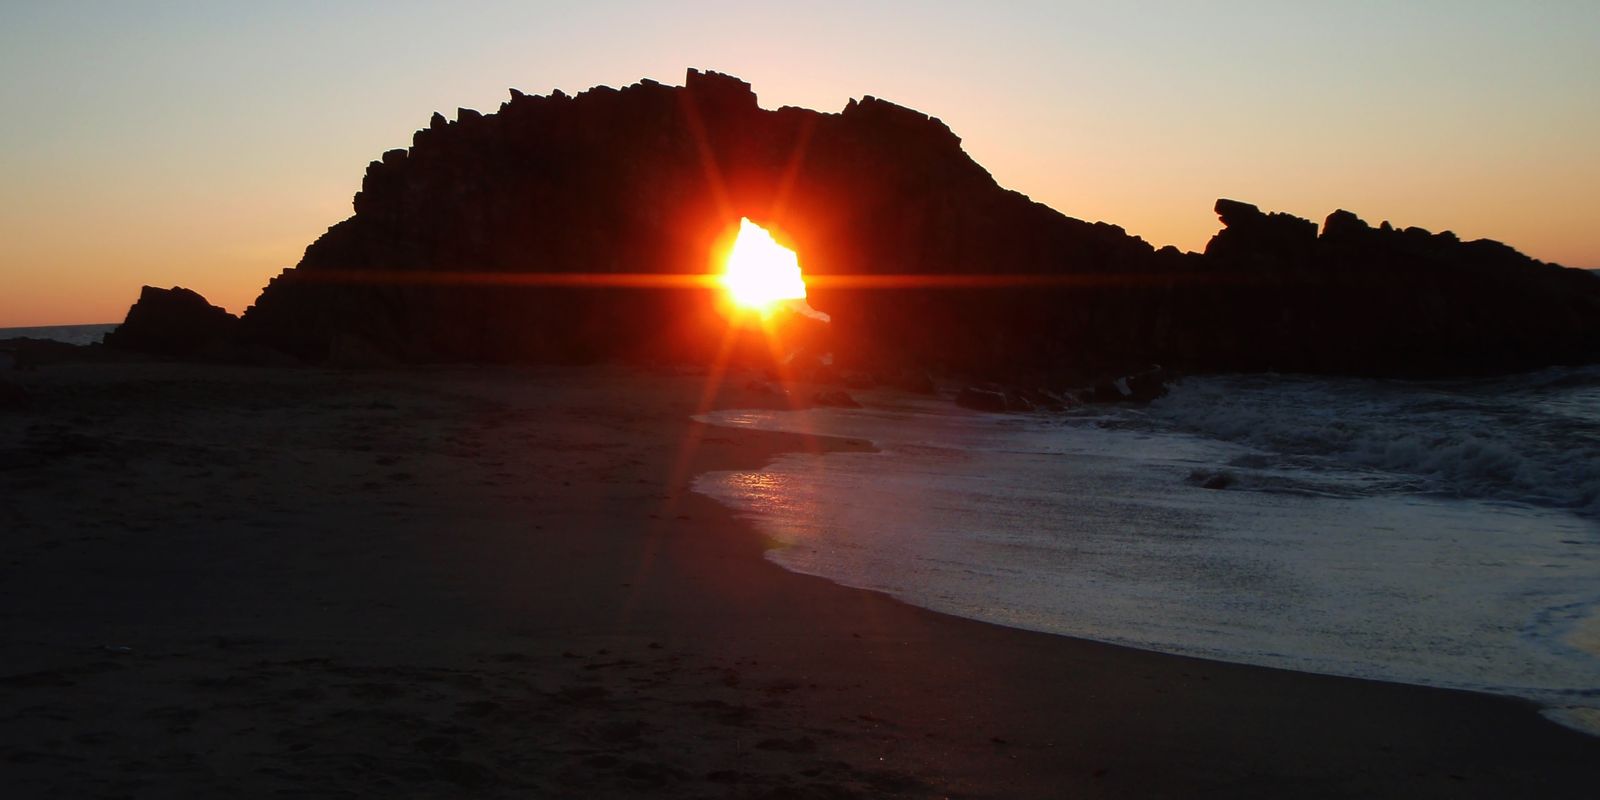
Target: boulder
x,y
1148,385
1342,224
12,396
349,351
858,380
172,322
1138,387
1212,480
979,399
1250,235
835,398
916,381
826,375
1043,399
1017,400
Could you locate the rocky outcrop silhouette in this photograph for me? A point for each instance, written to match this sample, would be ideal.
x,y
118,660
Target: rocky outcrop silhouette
x,y
174,322
1363,300
454,241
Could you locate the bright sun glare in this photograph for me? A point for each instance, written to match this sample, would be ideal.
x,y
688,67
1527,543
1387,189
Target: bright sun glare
x,y
760,272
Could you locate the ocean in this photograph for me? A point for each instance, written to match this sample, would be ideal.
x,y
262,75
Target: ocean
x,y
1437,533
71,334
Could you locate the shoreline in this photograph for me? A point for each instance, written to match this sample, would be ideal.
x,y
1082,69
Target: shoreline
x,y
1553,703
497,581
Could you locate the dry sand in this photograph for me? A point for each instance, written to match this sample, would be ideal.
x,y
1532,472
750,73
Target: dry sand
x,y
495,582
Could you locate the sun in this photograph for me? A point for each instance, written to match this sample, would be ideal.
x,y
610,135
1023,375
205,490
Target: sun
x,y
761,273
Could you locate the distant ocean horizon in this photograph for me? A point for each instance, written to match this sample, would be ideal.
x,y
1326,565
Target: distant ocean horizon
x,y
71,334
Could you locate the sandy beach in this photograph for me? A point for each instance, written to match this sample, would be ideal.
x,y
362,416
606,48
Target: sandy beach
x,y
489,582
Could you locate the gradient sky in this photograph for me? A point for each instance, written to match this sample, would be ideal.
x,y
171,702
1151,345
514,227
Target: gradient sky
x,y
203,145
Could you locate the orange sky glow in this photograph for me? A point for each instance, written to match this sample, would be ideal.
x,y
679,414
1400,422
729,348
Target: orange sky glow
x,y
189,144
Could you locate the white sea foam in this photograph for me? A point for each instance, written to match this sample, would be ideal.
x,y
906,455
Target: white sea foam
x,y
1455,568
1532,439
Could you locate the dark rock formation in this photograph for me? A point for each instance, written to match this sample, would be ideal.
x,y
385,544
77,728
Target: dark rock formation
x,y
350,351
1251,236
25,353
995,398
1140,387
858,380
12,396
1043,399
1381,301
762,388
980,399
450,252
826,375
916,381
836,398
173,322
1212,480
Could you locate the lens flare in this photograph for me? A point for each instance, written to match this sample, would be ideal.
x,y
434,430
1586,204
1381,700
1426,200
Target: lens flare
x,y
761,273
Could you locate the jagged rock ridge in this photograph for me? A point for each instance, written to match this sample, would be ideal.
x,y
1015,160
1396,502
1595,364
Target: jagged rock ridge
x,y
173,322
647,178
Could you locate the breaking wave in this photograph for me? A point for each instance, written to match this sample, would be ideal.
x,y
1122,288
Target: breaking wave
x,y
1531,439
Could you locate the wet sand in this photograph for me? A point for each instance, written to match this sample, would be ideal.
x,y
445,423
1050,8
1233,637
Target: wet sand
x,y
495,582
